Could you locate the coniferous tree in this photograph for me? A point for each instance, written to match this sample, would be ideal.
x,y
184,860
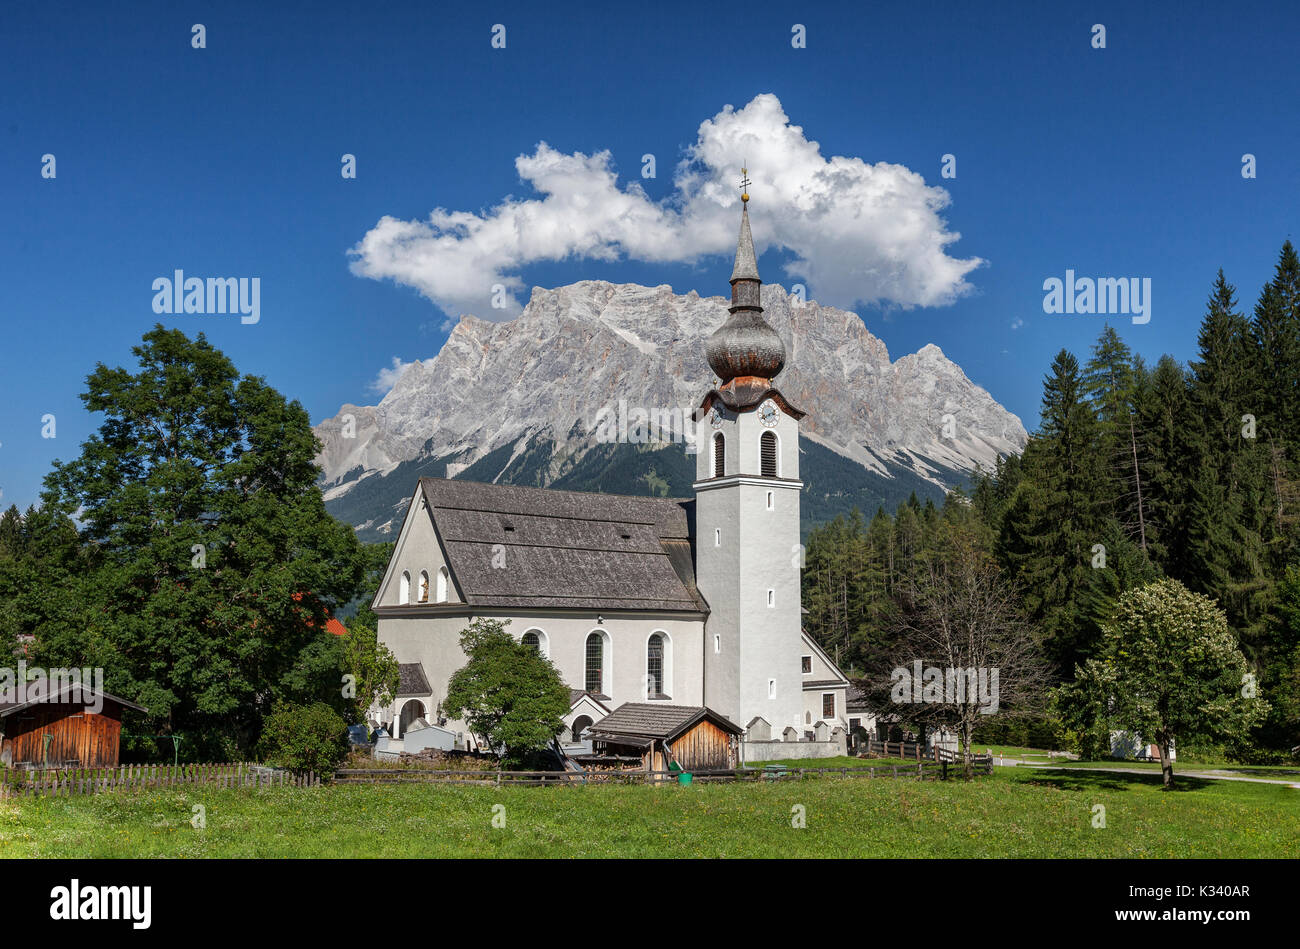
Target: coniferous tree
x,y
1227,507
1164,418
1057,516
1275,387
1110,379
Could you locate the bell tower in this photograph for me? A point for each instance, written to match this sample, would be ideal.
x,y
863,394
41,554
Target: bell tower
x,y
747,488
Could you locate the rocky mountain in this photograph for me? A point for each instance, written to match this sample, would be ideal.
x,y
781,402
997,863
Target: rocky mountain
x,y
530,401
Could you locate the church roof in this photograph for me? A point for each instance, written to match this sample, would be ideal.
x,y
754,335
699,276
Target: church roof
x,y
577,695
565,549
412,680
745,348
740,395
746,267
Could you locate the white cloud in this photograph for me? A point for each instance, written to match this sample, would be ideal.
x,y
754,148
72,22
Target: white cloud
x,y
389,375
855,232
1017,323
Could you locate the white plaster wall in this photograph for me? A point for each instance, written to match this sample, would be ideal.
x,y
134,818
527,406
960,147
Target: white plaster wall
x,y
759,552
417,549
812,703
434,641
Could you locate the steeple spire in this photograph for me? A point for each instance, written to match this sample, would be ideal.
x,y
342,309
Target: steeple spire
x,y
746,263
745,350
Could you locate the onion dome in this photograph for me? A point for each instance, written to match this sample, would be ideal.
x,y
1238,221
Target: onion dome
x,y
745,348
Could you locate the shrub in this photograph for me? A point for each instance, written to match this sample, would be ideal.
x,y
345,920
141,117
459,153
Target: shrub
x,y
506,692
305,738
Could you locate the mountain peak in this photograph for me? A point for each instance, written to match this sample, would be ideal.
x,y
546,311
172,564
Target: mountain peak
x,y
496,387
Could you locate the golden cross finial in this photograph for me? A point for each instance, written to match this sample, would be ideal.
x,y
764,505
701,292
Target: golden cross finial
x,y
744,184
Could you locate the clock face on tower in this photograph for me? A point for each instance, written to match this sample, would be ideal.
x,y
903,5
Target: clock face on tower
x,y
715,417
768,414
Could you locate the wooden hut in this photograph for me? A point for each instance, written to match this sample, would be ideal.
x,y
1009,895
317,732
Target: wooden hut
x,y
53,731
693,737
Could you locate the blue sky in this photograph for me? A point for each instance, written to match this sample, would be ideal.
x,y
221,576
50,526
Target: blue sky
x,y
225,161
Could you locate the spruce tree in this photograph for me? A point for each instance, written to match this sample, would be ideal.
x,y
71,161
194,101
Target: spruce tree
x,y
1227,497
1164,418
1057,516
1110,378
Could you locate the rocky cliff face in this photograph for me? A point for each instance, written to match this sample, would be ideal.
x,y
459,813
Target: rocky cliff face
x,y
522,400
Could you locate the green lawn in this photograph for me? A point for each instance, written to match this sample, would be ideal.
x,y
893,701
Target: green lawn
x,y
840,761
1250,770
1017,812
1011,751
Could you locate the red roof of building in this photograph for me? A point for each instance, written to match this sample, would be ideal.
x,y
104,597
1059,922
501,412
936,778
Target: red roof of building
x,y
331,624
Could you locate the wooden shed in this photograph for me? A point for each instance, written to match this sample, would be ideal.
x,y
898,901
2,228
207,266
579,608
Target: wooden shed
x,y
56,732
695,738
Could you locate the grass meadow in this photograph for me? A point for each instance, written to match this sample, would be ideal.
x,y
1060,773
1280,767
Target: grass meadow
x,y
1014,813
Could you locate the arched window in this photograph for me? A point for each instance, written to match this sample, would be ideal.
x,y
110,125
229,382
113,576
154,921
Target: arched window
x,y
443,577
404,590
424,586
595,678
654,665
767,455
537,639
719,455
580,725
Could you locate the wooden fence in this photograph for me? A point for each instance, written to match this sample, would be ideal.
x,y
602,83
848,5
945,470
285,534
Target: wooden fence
x,y
64,782
925,770
914,750
57,782
983,764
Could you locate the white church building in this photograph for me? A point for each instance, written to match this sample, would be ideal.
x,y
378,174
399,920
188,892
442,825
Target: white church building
x,y
685,602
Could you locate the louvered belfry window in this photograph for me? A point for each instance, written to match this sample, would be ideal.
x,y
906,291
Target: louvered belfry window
x,y
767,451
719,455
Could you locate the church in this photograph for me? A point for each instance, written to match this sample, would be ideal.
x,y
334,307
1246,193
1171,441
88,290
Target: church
x,y
685,603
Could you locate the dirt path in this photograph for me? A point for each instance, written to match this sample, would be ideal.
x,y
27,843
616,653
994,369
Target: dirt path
x,y
1209,775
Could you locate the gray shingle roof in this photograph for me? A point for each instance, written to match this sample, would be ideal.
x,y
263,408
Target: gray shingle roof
x,y
823,683
9,707
575,696
412,679
656,720
855,701
565,548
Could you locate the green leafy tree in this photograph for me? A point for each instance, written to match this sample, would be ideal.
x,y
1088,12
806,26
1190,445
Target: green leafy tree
x,y
508,693
215,560
372,665
305,737
1169,667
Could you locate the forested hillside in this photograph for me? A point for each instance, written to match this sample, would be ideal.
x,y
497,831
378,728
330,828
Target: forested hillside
x,y
1136,472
